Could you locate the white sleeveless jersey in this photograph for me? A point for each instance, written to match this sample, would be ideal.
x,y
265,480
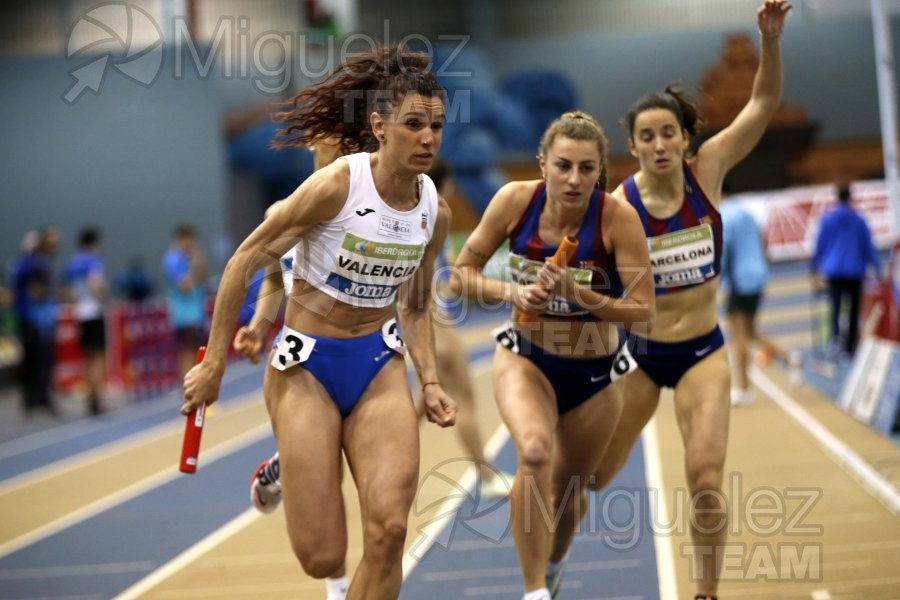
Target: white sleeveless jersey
x,y
287,271
363,255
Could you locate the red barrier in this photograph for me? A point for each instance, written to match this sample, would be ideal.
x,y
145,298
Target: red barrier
x,y
141,357
141,350
68,369
149,351
880,310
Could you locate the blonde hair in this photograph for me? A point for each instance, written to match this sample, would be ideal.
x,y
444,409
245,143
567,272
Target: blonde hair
x,y
577,125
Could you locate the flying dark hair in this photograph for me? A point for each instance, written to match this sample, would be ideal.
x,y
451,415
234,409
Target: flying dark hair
x,y
338,106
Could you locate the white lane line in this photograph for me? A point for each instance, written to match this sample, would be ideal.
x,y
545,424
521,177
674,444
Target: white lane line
x,y
492,448
101,453
76,570
448,509
871,480
820,595
516,571
665,553
513,589
245,519
68,431
132,491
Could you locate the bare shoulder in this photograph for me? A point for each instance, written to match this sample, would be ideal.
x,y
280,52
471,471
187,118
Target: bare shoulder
x,y
443,206
512,199
320,197
518,191
444,214
619,193
618,211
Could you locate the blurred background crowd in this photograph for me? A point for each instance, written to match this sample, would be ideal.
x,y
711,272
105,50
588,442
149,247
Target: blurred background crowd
x,y
136,144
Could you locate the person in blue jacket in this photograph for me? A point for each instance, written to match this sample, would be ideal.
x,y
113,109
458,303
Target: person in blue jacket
x,y
844,249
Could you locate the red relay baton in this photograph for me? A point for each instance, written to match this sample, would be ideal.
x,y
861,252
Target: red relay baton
x,y
193,429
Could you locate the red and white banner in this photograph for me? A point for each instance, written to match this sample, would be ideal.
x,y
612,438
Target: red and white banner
x,y
790,218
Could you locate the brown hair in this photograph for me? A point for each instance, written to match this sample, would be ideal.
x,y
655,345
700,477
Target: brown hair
x,y
674,99
338,106
577,125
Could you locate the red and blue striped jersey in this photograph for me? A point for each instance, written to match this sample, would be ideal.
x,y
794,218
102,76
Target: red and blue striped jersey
x,y
592,265
686,248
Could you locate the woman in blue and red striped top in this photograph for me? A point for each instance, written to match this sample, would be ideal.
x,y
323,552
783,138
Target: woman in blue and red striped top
x,y
556,381
677,197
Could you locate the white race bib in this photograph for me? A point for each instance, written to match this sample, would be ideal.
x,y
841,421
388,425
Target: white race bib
x,y
292,349
683,258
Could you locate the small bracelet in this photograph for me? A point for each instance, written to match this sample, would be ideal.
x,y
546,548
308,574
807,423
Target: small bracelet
x,y
430,383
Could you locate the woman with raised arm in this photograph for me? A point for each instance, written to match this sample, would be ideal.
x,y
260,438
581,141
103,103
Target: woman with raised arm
x,y
366,230
677,196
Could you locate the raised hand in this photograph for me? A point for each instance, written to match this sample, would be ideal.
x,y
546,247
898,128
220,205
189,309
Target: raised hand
x,y
771,16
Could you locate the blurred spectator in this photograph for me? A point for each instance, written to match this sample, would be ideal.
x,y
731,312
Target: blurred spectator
x,y
184,269
844,249
36,310
745,273
10,347
87,288
135,284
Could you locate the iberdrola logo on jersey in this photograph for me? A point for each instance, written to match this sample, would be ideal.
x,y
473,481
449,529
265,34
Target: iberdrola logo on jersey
x,y
364,247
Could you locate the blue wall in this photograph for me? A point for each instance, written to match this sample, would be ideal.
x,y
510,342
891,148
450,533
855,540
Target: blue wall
x,y
829,70
133,160
137,160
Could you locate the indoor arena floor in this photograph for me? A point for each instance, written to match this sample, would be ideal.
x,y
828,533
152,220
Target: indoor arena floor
x,y
96,509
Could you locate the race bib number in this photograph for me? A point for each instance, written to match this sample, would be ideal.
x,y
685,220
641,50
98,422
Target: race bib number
x,y
507,336
390,333
682,258
623,364
292,349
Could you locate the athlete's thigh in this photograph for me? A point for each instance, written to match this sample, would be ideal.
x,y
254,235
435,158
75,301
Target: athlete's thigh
x,y
524,397
381,441
702,408
584,432
453,364
307,427
640,397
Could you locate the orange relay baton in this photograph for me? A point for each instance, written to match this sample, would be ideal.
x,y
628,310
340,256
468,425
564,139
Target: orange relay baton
x,y
564,253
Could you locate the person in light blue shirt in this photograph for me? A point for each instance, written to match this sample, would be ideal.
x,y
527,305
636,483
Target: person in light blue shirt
x,y
844,251
184,270
745,272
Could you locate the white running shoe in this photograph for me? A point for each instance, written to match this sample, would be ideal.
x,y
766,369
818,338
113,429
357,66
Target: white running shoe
x,y
265,487
553,580
795,368
498,487
741,397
